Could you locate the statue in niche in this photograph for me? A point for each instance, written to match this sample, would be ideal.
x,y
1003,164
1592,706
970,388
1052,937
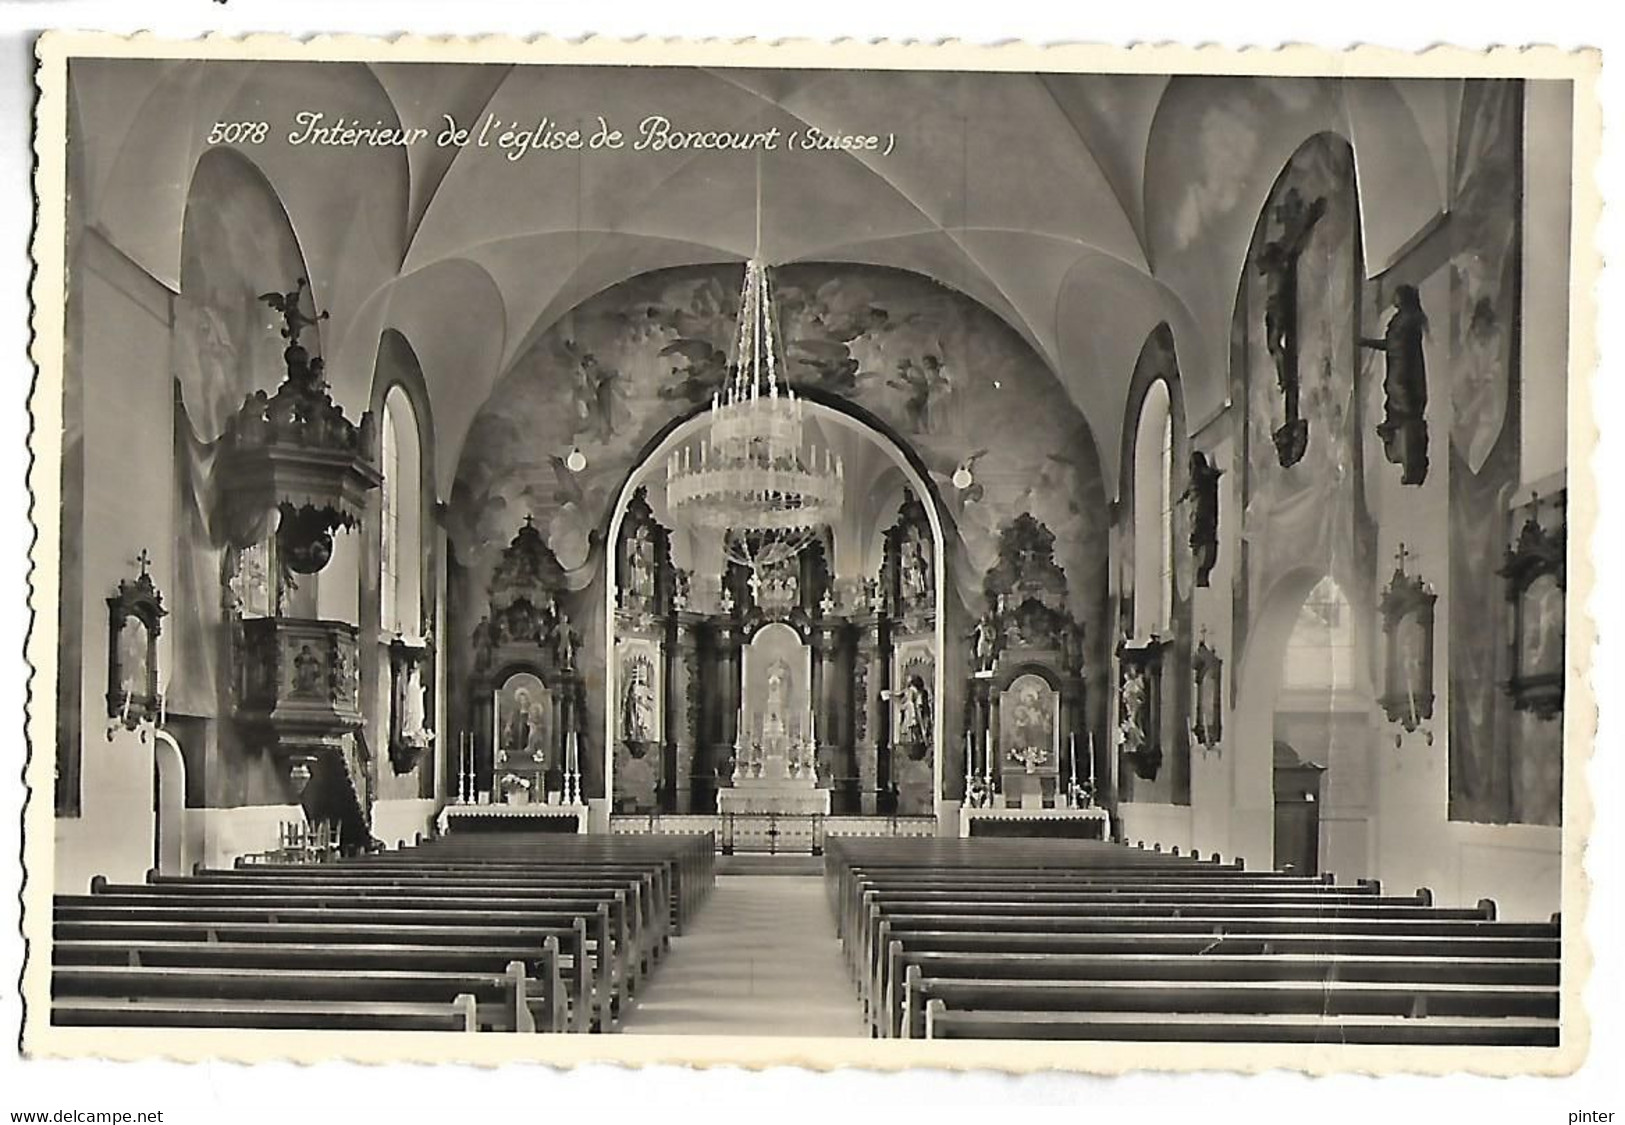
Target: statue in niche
x,y
916,570
915,727
1203,493
1403,429
984,644
1130,731
565,641
484,643
638,704
640,565
1277,262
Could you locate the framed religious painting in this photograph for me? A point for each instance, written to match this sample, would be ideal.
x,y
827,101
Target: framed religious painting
x,y
1029,735
1407,614
1536,572
134,619
523,740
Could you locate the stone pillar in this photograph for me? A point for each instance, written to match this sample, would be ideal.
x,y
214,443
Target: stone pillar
x,y
868,681
827,690
684,709
727,696
997,766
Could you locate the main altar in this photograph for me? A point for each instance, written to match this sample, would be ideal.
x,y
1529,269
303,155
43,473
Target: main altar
x,y
775,750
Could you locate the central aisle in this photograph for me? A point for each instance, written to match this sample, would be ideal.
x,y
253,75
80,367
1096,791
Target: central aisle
x,y
761,959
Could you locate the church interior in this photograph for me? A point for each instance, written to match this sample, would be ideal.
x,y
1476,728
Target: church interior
x,y
1164,472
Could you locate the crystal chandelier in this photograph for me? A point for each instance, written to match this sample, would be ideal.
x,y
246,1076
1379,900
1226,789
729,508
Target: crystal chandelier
x,y
754,476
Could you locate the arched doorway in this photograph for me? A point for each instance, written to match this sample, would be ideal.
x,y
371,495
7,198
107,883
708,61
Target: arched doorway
x,y
1302,732
168,806
701,651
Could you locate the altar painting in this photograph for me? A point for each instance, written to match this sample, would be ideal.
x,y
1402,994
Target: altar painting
x,y
524,724
1029,734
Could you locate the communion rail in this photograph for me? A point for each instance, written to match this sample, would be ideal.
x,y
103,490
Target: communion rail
x,y
774,833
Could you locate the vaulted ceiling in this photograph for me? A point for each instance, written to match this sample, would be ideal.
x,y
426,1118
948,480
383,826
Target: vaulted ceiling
x,y
1082,209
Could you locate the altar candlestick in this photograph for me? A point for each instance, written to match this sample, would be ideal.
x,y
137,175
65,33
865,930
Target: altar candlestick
x,y
988,760
1091,762
970,758
1072,756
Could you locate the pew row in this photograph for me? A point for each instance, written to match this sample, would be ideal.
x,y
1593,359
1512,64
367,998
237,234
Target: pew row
x,y
1029,939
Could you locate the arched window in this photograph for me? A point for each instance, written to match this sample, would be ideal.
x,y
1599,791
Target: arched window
x,y
1153,513
401,541
1320,653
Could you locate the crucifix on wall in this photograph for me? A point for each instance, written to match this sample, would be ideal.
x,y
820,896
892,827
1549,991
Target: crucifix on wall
x,y
1278,263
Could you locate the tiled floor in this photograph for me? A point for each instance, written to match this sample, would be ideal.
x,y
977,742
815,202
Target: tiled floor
x,y
761,959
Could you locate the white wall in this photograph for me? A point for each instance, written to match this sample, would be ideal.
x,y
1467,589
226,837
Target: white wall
x,y
128,449
396,823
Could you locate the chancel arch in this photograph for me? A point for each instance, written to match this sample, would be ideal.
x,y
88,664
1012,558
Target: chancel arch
x,y
695,630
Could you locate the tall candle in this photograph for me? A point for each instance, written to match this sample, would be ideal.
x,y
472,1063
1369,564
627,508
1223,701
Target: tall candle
x,y
1072,755
1091,759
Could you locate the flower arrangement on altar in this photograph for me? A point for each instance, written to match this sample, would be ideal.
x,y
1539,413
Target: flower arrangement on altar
x,y
1081,793
978,794
515,789
1030,757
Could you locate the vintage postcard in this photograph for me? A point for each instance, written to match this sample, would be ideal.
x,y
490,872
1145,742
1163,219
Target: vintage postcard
x,y
820,554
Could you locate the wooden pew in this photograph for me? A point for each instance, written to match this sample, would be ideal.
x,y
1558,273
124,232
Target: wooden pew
x,y
549,998
904,1015
110,942
375,920
957,938
688,859
1213,916
291,1015
943,1023
643,886
631,931
501,1000
1315,998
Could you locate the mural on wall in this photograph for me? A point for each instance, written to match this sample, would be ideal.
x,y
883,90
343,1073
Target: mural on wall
x,y
941,372
1484,470
1305,512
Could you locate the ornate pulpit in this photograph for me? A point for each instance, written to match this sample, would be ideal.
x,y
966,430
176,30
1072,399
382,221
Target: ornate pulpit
x,y
294,471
